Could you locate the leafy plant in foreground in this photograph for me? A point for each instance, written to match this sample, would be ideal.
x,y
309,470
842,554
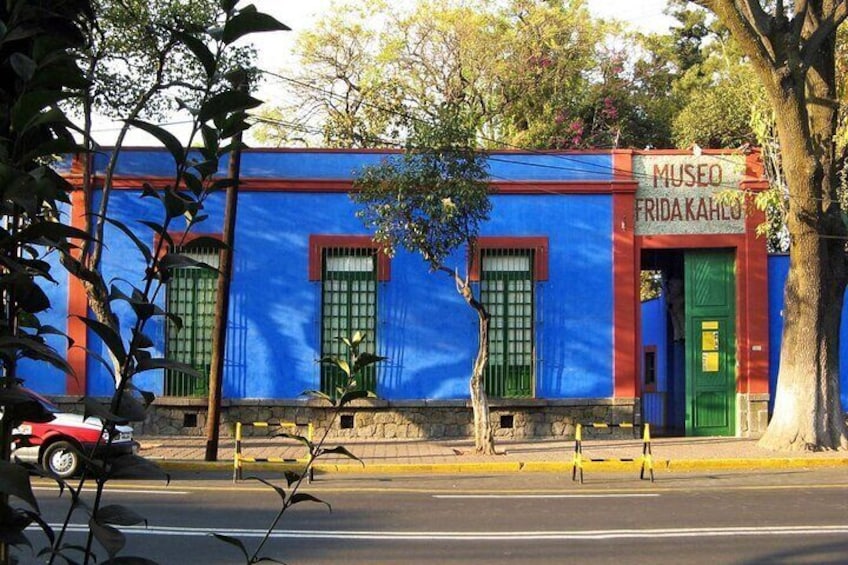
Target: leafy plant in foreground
x,y
351,368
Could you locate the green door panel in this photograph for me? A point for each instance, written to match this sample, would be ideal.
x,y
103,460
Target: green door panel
x,y
710,289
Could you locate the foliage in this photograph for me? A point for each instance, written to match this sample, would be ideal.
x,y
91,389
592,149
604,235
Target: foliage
x,y
432,198
529,74
791,49
39,49
352,366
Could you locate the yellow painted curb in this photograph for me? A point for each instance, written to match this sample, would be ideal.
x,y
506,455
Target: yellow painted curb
x,y
612,466
750,464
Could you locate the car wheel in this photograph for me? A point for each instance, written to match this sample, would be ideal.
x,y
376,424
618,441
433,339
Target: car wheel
x,y
62,459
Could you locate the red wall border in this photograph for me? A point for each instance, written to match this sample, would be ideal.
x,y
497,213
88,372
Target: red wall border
x,y
539,244
317,244
77,383
625,259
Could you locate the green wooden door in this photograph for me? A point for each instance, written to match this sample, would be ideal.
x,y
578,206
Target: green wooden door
x,y
710,288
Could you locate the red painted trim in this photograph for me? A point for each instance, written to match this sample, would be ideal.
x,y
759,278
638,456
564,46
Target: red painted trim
x,y
317,244
346,185
538,244
77,383
626,338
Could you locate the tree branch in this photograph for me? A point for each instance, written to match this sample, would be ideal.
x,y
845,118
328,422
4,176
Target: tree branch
x,y
827,26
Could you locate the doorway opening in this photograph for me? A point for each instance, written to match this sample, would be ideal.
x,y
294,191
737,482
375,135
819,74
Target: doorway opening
x,y
688,380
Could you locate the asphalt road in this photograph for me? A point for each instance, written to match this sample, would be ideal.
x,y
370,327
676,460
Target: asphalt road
x,y
778,517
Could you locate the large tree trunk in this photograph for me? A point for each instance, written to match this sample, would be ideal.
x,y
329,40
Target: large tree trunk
x,y
808,413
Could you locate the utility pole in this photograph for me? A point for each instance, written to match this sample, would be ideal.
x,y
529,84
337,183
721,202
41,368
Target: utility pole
x,y
222,294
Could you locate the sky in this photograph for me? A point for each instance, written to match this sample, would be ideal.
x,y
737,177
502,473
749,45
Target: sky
x,y
274,49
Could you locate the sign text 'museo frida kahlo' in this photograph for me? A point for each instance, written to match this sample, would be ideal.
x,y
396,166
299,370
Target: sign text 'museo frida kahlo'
x,y
677,194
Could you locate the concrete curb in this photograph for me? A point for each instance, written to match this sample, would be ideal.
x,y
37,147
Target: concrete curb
x,y
477,467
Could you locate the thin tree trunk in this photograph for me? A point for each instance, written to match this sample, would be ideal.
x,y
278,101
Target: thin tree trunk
x,y
484,436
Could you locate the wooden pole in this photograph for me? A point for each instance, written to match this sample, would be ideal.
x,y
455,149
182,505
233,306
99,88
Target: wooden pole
x,y
222,302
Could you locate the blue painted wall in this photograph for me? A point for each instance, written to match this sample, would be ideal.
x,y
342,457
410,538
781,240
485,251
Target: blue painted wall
x,y
778,269
39,375
655,332
424,327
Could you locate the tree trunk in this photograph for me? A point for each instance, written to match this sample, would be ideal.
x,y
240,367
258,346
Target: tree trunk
x,y
807,412
484,435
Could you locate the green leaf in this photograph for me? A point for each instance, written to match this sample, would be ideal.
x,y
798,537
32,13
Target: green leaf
x,y
235,542
248,21
352,395
131,409
305,441
161,363
119,515
225,103
342,364
199,50
292,477
92,407
171,143
23,66
34,349
14,481
279,490
110,538
340,450
365,359
110,338
31,104
319,395
205,242
299,497
52,232
145,250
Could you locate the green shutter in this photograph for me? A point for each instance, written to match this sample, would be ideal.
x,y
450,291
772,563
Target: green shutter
x,y
507,293
191,296
348,305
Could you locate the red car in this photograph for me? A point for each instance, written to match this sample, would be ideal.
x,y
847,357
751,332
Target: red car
x,y
56,445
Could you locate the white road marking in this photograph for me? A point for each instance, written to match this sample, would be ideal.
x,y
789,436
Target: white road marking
x,y
122,491
519,496
487,536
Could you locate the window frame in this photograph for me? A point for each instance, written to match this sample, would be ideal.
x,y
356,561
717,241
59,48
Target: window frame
x,y
536,248
201,386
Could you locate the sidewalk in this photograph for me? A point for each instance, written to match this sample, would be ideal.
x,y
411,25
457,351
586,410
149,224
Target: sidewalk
x,y
455,456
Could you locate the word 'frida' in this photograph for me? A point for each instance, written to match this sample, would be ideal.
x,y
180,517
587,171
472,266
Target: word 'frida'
x,y
680,209
687,174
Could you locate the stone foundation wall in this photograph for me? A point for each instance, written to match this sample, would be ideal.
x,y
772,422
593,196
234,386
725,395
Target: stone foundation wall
x,y
370,419
752,414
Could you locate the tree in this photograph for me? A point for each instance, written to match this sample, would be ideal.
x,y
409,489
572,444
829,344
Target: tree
x,y
431,200
39,60
532,74
791,49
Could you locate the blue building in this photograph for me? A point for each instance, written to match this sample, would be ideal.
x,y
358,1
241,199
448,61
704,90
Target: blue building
x,y
558,264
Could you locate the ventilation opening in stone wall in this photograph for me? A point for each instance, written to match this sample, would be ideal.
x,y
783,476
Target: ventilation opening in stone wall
x,y
346,421
507,421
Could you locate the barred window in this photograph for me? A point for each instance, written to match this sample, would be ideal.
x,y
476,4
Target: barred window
x,y
348,305
506,284
191,296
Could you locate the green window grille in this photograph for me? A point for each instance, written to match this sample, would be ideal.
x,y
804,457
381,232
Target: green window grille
x,y
506,286
191,296
348,305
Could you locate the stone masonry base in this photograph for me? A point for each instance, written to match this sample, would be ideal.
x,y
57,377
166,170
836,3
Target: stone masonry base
x,y
379,419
